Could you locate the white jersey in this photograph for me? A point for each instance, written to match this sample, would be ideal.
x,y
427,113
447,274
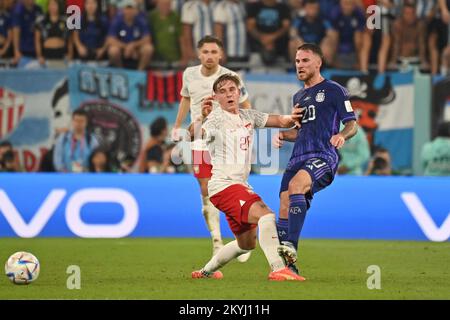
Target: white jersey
x,y
200,16
196,87
232,16
229,138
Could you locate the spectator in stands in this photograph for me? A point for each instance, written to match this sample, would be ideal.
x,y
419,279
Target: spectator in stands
x,y
129,39
388,10
327,7
100,161
425,11
51,35
349,22
197,21
312,28
408,36
354,154
46,162
229,27
268,25
444,6
73,148
153,160
380,163
436,154
167,33
438,34
8,163
6,149
126,165
90,40
380,167
23,20
6,32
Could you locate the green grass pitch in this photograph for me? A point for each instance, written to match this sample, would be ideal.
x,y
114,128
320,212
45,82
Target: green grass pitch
x,y
150,268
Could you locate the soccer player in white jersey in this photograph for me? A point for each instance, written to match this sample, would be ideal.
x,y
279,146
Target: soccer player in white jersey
x,y
197,85
228,131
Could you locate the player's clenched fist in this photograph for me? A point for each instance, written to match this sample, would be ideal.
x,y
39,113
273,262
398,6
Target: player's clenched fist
x,y
207,105
337,140
277,140
297,115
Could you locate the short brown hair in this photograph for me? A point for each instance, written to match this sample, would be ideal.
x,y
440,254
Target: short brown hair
x,y
226,77
209,39
314,48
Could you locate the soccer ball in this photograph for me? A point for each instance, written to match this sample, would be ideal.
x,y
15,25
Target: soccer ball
x,y
22,268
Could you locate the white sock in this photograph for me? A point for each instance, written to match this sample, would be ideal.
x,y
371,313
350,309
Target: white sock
x,y
212,219
269,242
227,253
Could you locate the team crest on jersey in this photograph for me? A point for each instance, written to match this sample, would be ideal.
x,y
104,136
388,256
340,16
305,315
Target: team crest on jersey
x,y
320,96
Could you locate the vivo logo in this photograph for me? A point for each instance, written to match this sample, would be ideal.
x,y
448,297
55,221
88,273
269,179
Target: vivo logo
x,y
424,220
73,210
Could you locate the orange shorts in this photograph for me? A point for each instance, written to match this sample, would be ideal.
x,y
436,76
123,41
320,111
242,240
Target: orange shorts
x,y
235,201
201,164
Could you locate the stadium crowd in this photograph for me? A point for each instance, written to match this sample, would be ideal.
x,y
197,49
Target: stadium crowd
x,y
147,34
161,34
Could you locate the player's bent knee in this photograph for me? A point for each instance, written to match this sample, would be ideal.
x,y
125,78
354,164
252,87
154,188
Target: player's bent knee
x,y
247,241
298,187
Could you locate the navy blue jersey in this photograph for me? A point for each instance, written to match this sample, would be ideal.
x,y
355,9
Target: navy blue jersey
x,y
93,32
25,20
5,23
311,32
326,105
126,33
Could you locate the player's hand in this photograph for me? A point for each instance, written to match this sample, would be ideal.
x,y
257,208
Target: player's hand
x,y
207,105
277,140
297,115
337,140
176,134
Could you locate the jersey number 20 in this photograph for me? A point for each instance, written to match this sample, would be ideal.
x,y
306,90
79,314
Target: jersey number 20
x,y
310,114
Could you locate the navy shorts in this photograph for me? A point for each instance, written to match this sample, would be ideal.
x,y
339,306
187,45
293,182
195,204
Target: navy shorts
x,y
321,172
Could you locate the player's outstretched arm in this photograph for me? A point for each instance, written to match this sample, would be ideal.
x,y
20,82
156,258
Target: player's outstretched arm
x,y
246,104
183,111
285,121
350,129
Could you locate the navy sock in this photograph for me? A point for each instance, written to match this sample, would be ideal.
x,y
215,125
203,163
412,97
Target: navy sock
x,y
283,228
297,214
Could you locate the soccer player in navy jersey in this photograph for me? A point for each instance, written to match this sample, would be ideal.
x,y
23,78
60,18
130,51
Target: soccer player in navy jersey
x,y
314,159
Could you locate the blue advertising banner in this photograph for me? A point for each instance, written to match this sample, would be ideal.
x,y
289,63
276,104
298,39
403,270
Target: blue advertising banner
x,y
86,205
